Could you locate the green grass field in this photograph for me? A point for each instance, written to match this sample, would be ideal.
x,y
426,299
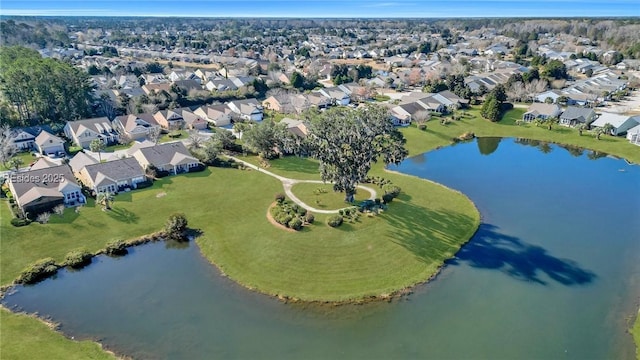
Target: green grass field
x,y
26,158
635,331
24,337
327,200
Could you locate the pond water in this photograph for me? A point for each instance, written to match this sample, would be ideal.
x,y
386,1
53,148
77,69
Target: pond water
x,y
553,273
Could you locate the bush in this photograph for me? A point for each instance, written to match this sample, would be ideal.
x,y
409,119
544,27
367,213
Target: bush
x,y
43,218
295,224
309,218
175,226
39,270
144,184
392,190
334,221
118,247
387,198
17,222
77,259
422,127
197,168
279,198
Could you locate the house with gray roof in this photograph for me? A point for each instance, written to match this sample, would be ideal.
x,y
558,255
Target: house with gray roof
x,y
112,176
82,132
136,127
49,144
172,157
541,111
248,109
24,138
40,190
620,123
574,116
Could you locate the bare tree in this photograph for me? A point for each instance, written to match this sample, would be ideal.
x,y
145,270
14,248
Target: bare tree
x,y
7,146
154,134
196,140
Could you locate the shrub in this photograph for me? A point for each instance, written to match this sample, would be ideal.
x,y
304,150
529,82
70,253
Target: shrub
x,y
422,127
295,224
77,259
334,221
279,198
118,247
309,218
144,184
43,218
392,190
387,198
175,226
39,270
17,222
300,210
59,210
197,168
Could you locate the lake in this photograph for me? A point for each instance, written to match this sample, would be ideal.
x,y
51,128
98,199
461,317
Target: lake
x,y
552,273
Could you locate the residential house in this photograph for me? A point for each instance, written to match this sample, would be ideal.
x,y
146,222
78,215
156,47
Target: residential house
x,y
576,115
633,135
172,157
541,111
248,109
194,121
49,144
136,127
82,132
45,162
273,103
218,115
296,127
150,89
40,190
620,123
80,160
336,95
112,176
170,119
188,85
221,84
24,138
401,115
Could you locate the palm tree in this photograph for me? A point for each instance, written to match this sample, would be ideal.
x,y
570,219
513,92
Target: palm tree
x,y
582,127
608,129
105,199
550,121
538,122
96,145
599,132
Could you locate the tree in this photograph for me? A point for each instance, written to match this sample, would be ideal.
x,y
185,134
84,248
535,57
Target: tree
x,y
7,147
175,226
196,140
15,163
264,139
608,129
347,142
105,199
297,80
154,134
555,69
96,145
208,151
550,121
582,127
490,109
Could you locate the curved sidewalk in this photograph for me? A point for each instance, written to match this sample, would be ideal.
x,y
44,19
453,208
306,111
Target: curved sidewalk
x,y
288,183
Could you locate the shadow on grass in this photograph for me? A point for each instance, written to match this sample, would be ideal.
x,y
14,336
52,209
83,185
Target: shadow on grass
x,y
123,215
490,249
437,134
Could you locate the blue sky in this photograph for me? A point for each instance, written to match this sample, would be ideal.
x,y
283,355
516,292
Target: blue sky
x,y
323,8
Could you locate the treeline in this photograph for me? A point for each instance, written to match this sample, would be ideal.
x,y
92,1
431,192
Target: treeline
x,y
38,91
40,34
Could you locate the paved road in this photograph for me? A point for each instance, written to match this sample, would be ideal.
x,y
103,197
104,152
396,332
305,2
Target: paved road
x,y
288,183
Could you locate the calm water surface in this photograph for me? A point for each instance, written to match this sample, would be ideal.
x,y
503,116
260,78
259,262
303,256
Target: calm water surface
x,y
553,273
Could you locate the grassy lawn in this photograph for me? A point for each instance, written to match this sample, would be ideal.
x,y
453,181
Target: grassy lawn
x,y
291,167
327,200
112,148
181,134
26,157
24,337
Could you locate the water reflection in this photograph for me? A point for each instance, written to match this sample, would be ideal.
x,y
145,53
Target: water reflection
x,y
488,145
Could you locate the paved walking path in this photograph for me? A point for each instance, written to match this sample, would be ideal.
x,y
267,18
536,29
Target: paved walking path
x,y
288,183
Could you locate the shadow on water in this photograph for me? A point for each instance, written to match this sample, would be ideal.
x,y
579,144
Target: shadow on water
x,y
490,249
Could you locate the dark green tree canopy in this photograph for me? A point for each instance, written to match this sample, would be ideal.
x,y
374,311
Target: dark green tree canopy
x,y
347,142
42,90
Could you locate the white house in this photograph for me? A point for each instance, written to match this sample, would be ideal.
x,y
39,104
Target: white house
x,y
620,123
48,144
541,111
82,132
633,135
248,109
218,115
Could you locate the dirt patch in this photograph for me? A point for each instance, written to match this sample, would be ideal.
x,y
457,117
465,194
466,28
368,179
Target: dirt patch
x,y
162,194
274,222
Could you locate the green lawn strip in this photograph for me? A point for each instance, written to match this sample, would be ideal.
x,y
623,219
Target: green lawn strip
x,y
635,331
25,337
290,166
181,135
27,159
329,200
